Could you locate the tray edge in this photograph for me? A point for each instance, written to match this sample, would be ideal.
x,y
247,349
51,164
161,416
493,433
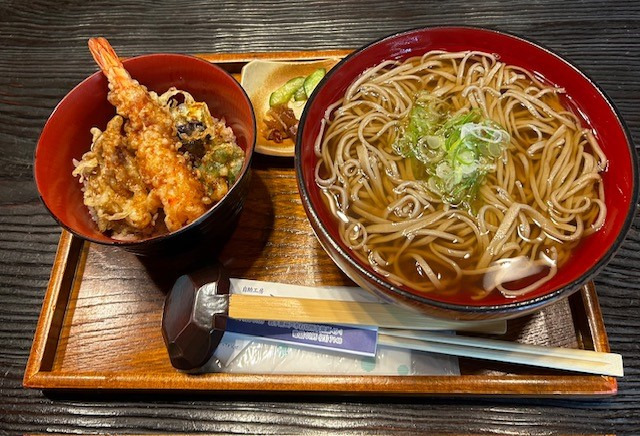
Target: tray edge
x,y
44,327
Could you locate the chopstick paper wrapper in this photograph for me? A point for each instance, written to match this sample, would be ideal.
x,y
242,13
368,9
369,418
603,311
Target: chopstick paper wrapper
x,y
335,305
354,338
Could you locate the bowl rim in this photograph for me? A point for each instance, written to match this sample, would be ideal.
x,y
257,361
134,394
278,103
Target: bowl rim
x,y
325,237
166,236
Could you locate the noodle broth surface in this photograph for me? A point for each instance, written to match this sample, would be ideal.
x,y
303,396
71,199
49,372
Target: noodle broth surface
x,y
542,196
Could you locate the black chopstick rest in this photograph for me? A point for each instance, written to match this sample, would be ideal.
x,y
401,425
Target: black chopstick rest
x,y
195,317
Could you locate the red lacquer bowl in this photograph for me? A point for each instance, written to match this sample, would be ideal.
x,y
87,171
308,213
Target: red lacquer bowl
x,y
584,96
66,136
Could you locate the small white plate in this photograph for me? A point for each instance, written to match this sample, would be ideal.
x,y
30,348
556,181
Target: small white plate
x,y
259,79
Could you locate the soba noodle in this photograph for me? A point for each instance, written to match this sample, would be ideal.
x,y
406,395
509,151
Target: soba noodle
x,y
542,195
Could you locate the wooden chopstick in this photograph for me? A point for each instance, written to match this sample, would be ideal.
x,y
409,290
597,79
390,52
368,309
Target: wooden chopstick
x,y
258,307
586,361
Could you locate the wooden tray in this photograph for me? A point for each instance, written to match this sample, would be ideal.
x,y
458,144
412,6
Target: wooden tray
x,y
100,321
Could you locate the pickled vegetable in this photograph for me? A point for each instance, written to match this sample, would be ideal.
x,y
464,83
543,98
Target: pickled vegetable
x,y
312,80
283,94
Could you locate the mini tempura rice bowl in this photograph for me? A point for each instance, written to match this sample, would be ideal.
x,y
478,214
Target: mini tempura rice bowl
x,y
338,212
66,137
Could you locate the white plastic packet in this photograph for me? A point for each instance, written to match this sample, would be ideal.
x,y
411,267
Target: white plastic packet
x,y
247,354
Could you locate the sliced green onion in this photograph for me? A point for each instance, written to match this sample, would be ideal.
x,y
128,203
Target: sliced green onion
x,y
454,152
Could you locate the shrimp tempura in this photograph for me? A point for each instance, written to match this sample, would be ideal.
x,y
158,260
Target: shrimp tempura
x,y
150,132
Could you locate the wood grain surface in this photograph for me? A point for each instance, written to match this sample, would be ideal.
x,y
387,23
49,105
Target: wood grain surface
x,y
43,55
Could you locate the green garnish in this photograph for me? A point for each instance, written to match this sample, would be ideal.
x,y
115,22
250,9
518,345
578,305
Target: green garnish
x,y
283,94
222,160
298,88
312,80
452,153
300,95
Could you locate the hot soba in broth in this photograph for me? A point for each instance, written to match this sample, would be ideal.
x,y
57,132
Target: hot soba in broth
x,y
454,172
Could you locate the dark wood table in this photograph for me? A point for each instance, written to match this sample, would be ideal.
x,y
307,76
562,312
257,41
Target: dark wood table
x,y
43,55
